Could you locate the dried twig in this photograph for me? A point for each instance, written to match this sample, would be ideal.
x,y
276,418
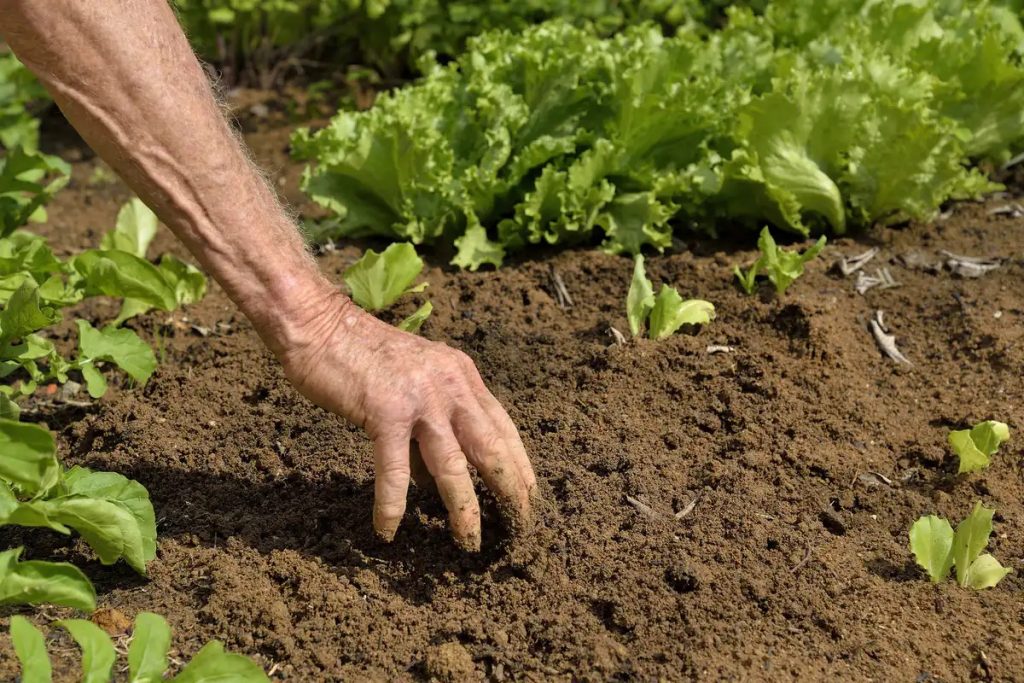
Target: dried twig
x,y
719,348
886,341
799,565
642,507
882,279
562,295
620,338
970,266
1013,210
688,508
849,266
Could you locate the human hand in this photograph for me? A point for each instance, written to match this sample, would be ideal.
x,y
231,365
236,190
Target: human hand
x,y
413,394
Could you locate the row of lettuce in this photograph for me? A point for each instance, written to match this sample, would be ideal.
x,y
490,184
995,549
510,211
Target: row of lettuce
x,y
811,116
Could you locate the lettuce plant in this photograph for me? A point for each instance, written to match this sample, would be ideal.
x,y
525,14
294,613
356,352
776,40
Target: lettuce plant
x,y
782,267
937,549
147,654
976,445
112,513
664,313
808,116
378,280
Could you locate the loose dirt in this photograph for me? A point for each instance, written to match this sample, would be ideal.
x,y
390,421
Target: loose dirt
x,y
776,480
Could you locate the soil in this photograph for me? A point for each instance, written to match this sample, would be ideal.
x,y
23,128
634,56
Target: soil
x,y
730,515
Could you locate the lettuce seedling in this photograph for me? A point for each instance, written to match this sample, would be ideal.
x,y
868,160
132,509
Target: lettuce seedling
x,y
36,582
378,280
664,313
30,648
974,446
937,549
112,513
781,267
147,654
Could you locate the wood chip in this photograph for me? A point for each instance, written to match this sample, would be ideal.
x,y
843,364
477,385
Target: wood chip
x,y
719,348
882,279
688,508
970,266
1013,210
849,266
886,341
642,507
619,338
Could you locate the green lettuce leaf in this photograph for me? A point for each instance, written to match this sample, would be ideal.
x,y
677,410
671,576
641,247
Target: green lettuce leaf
x,y
212,664
135,229
640,298
975,446
670,313
30,648
34,582
415,321
931,541
147,655
377,280
98,654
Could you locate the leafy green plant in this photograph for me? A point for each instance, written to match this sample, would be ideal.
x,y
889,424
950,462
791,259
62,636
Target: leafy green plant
x,y
782,267
112,513
378,280
147,654
36,582
20,92
664,313
810,116
976,445
35,285
937,549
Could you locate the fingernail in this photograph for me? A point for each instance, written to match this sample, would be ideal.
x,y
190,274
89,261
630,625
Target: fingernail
x,y
469,543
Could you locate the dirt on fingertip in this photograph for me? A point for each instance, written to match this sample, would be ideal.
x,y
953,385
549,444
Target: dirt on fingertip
x,y
731,503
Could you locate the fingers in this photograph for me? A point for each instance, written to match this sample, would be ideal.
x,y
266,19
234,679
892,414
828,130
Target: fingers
x,y
517,451
391,485
420,473
447,464
494,456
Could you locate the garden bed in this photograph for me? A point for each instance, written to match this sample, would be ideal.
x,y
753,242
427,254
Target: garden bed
x,y
722,514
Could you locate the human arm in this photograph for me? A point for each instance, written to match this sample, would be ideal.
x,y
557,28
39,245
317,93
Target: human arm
x,y
124,75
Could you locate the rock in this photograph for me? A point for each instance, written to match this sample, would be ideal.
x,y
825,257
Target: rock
x,y
113,621
450,663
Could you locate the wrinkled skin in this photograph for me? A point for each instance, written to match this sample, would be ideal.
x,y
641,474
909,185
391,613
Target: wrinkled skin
x,y
416,398
123,74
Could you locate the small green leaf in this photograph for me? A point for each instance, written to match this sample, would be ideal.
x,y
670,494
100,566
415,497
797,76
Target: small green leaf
x,y
782,267
212,665
95,382
416,320
377,280
120,274
985,572
30,647
35,582
24,314
640,298
748,280
970,539
476,249
119,346
135,229
29,457
98,654
147,656
975,446
9,410
670,313
931,541
119,489
109,528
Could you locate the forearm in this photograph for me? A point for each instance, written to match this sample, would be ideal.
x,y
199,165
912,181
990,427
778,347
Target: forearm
x,y
124,75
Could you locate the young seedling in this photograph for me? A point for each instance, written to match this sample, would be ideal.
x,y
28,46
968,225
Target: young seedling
x,y
147,655
937,549
112,513
976,445
664,313
378,280
781,267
